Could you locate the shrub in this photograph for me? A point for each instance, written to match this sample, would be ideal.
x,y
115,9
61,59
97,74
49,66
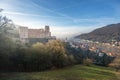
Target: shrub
x,y
87,62
115,64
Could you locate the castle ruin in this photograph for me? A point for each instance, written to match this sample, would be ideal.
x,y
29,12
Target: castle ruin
x,y
25,33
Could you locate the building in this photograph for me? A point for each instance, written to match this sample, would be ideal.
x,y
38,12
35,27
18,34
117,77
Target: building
x,y
25,33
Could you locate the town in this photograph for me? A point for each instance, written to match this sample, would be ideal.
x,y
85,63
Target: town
x,y
111,49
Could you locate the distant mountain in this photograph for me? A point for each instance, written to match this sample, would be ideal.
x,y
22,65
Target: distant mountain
x,y
104,34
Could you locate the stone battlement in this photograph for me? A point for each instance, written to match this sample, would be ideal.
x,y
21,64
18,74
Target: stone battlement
x,y
25,33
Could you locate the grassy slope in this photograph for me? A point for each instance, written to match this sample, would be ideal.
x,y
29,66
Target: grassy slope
x,y
77,72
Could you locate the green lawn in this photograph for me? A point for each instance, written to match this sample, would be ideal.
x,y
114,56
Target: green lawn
x,y
77,72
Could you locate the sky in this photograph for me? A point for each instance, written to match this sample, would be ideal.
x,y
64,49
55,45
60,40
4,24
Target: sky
x,y
66,18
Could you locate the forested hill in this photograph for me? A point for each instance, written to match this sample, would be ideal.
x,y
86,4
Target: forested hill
x,y
104,34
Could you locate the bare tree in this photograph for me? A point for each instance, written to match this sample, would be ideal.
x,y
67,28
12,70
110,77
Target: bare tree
x,y
3,22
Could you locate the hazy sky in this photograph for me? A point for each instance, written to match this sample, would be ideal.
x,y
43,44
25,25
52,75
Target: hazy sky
x,y
65,17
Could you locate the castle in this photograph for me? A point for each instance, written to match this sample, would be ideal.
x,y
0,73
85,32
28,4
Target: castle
x,y
25,34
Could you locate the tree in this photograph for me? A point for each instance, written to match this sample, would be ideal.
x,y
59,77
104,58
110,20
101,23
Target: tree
x,y
7,46
39,47
58,53
115,64
3,22
77,53
38,58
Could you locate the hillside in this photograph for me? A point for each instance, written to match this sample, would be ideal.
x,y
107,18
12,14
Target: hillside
x,y
104,34
77,72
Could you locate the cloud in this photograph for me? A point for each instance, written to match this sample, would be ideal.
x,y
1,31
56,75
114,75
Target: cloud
x,y
8,5
52,11
27,14
100,21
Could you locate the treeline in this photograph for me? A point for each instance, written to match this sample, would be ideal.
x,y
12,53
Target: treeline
x,y
15,56
38,57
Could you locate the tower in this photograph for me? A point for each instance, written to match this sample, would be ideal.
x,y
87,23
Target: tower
x,y
47,29
23,34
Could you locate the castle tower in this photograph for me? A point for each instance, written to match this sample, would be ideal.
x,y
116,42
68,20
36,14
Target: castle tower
x,y
23,34
47,29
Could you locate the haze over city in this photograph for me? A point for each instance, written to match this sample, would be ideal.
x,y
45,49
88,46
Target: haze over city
x,y
65,17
